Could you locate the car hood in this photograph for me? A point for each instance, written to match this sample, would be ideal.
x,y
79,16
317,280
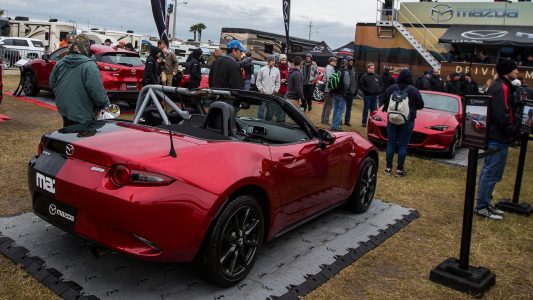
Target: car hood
x,y
430,117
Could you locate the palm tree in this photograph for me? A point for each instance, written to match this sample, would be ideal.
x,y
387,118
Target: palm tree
x,y
199,28
194,29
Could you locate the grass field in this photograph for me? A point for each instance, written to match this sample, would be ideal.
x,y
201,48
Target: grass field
x,y
397,269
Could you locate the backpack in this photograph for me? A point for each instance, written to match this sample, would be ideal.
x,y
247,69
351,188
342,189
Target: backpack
x,y
398,110
335,81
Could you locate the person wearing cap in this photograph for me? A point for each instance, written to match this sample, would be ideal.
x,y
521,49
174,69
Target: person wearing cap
x,y
283,68
453,86
470,86
372,86
77,84
328,105
502,130
225,71
401,134
267,82
169,63
354,86
310,72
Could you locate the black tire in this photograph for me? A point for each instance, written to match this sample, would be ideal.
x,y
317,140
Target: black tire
x,y
452,151
233,243
364,189
29,84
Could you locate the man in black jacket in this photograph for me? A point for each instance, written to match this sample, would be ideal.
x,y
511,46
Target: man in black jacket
x,y
372,86
454,85
470,86
422,83
502,130
194,69
401,134
436,81
295,92
225,72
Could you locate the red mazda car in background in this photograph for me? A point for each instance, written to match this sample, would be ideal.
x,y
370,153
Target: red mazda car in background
x,y
121,72
223,184
438,125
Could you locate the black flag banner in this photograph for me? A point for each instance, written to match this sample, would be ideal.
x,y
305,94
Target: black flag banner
x,y
286,21
158,10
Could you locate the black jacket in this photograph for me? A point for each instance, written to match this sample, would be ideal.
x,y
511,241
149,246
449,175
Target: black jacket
x,y
295,85
152,70
423,83
371,84
247,66
470,88
415,99
453,87
436,83
502,126
387,79
194,69
225,73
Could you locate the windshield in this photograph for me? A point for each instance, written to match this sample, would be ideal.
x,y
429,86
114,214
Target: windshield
x,y
37,44
440,102
123,59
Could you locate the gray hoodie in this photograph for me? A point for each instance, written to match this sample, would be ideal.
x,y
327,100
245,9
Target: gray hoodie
x,y
78,88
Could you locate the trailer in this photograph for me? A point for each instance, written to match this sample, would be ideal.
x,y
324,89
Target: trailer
x,y
49,32
121,36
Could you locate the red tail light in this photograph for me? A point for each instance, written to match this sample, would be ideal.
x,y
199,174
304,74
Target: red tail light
x,y
40,148
106,68
121,175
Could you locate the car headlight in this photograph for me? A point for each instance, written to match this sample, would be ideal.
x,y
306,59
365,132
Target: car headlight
x,y
438,127
377,118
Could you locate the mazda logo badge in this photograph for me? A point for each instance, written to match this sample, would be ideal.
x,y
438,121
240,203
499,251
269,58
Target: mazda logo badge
x,y
484,34
441,13
69,149
52,209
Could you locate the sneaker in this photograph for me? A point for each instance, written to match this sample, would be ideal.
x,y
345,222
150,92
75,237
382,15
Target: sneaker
x,y
347,124
496,211
487,213
400,173
302,109
388,171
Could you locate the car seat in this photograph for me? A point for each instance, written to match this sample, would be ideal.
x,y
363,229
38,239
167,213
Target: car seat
x,y
221,119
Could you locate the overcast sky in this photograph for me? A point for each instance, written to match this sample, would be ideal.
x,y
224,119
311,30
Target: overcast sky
x,y
333,21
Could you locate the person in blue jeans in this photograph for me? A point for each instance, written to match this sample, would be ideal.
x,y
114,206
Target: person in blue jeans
x,y
339,98
399,135
371,84
502,131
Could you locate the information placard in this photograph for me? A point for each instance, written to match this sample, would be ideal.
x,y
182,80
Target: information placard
x,y
526,121
476,121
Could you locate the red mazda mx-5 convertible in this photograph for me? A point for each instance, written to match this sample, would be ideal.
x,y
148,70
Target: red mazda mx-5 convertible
x,y
207,179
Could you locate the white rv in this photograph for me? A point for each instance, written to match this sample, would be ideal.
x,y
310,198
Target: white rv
x,y
50,33
120,36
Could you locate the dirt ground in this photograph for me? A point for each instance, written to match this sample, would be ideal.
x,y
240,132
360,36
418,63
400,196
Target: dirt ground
x,y
397,269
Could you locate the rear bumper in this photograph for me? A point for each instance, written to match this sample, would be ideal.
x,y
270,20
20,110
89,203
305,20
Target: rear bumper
x,y
173,218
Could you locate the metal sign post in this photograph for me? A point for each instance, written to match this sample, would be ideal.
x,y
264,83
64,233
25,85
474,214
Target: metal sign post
x,y
514,206
457,273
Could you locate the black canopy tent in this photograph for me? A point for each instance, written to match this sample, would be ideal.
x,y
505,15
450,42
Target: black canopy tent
x,y
502,36
346,50
321,53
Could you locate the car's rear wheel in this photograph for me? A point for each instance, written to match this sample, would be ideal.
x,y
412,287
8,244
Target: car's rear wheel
x,y
364,189
232,246
452,151
29,84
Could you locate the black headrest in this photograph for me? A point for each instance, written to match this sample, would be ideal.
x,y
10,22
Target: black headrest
x,y
221,118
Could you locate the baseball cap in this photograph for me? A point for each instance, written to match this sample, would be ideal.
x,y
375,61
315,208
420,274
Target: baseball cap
x,y
235,44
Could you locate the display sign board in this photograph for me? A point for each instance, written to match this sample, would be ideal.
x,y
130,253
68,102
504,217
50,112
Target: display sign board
x,y
526,121
476,121
467,13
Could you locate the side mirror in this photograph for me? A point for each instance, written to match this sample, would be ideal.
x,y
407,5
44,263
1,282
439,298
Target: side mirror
x,y
46,57
326,138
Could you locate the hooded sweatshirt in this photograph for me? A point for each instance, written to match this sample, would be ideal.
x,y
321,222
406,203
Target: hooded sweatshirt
x,y
405,83
295,85
78,88
268,80
194,68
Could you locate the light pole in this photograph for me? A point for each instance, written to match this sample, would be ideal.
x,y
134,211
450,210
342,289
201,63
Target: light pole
x,y
174,26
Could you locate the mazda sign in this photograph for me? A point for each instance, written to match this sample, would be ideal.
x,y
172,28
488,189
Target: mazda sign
x,y
484,34
441,13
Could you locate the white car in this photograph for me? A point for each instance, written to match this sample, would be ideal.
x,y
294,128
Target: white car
x,y
27,47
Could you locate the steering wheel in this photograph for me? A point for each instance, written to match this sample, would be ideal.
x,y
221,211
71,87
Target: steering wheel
x,y
242,129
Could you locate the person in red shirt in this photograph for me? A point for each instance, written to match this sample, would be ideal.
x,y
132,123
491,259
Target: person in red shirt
x,y
283,67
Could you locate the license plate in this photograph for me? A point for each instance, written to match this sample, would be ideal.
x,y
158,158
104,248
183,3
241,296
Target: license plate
x,y
131,86
60,214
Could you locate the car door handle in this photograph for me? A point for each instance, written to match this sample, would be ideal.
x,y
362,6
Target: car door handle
x,y
287,158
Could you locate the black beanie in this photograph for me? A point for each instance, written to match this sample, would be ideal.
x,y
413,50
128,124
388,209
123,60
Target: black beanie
x,y
505,66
